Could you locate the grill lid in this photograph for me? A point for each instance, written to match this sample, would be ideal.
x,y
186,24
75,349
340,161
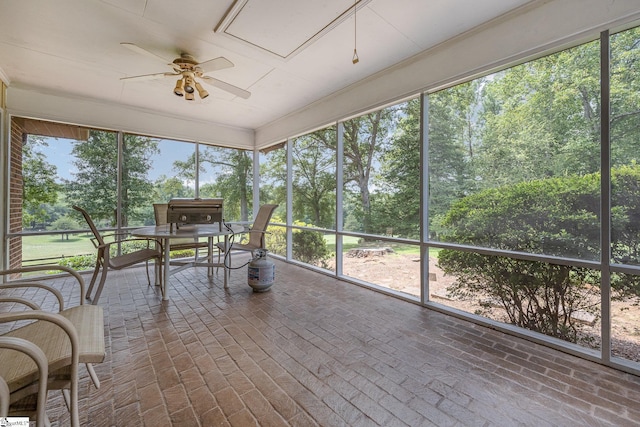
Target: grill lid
x,y
204,204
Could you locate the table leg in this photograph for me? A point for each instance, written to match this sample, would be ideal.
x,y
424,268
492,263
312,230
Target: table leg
x,y
224,257
210,256
165,276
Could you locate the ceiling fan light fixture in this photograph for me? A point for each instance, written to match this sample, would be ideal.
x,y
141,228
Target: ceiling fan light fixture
x,y
188,84
201,91
189,96
179,89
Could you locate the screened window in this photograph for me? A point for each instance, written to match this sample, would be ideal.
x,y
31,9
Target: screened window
x,y
514,158
382,172
228,174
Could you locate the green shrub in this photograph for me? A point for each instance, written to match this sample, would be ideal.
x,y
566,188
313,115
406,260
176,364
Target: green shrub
x,y
556,216
276,240
310,247
64,223
79,262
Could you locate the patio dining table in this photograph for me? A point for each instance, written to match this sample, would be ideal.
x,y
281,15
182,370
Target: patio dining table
x,y
165,233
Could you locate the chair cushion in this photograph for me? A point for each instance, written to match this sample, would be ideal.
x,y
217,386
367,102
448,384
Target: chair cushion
x,y
89,323
18,370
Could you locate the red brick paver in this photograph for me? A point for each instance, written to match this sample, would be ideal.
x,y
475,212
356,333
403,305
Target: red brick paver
x,y
315,351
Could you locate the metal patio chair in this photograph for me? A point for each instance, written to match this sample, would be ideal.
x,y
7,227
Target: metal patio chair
x,y
105,260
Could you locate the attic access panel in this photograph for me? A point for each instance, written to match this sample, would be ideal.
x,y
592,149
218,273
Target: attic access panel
x,y
284,27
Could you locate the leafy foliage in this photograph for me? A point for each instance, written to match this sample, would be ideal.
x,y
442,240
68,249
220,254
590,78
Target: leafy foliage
x,y
64,223
314,178
79,262
554,216
39,182
534,295
396,201
233,172
95,184
310,247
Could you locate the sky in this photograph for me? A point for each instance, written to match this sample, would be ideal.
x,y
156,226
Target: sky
x,y
59,154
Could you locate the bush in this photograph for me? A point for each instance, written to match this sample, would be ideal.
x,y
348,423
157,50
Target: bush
x,y
537,296
64,223
79,262
276,240
555,216
310,247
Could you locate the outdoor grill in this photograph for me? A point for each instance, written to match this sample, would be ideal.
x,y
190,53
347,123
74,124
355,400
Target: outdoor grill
x,y
194,211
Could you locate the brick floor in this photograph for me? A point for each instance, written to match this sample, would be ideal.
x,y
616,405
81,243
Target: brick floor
x,y
318,351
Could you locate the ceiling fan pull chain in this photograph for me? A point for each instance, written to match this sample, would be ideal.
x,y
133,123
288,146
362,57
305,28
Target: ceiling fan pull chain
x,y
355,59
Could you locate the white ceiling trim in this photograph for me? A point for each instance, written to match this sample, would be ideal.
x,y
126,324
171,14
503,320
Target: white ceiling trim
x,y
91,113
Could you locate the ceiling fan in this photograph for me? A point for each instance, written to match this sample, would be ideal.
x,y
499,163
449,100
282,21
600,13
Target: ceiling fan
x,y
188,70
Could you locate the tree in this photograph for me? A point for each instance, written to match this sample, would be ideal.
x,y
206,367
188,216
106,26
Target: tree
x,y
396,198
453,138
541,119
273,176
625,97
167,188
95,183
314,178
39,182
365,140
64,223
233,171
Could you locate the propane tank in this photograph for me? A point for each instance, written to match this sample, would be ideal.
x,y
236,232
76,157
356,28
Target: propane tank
x,y
262,271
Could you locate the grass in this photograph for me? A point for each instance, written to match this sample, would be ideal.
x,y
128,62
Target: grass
x,y
54,246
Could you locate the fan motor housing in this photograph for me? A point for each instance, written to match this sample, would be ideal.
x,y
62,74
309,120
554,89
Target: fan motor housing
x,y
186,62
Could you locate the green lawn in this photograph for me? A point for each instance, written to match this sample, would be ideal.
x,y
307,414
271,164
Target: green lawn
x,y
39,247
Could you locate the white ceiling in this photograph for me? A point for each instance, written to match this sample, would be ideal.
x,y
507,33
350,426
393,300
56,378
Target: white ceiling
x,y
287,53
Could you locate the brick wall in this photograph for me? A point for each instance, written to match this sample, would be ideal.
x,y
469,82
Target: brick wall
x,y
15,191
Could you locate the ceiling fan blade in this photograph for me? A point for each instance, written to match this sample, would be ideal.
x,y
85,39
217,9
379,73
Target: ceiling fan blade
x,y
215,64
137,49
151,76
235,90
